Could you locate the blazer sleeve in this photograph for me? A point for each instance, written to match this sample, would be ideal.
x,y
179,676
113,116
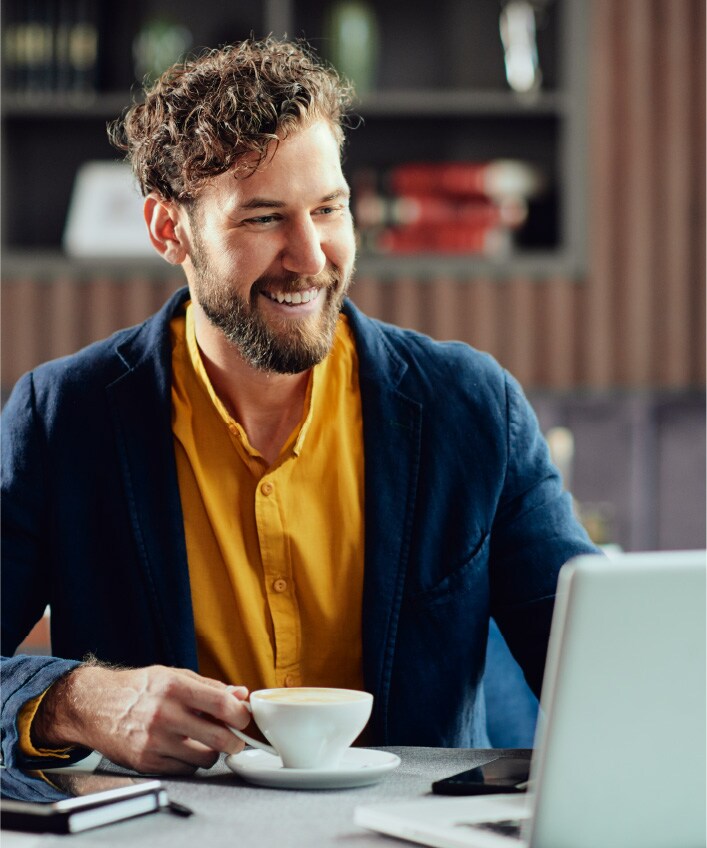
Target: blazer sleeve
x,y
535,532
24,575
25,517
23,678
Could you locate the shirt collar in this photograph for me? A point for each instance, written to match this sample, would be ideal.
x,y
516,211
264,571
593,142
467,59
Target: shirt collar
x,y
296,440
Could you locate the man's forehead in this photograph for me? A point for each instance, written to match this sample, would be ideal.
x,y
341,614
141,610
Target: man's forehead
x,y
289,166
318,133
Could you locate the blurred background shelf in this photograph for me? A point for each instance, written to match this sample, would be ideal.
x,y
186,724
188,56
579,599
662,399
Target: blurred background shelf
x,y
47,264
437,91
430,103
50,107
420,103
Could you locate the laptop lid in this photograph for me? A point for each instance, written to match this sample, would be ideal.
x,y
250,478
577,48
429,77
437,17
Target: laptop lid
x,y
620,749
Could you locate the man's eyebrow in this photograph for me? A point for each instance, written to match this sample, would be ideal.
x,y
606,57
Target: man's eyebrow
x,y
262,203
336,195
269,203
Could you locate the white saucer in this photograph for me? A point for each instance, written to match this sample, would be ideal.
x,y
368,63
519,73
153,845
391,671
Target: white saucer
x,y
358,767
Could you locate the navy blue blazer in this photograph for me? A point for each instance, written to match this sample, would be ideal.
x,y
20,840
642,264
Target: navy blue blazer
x,y
465,517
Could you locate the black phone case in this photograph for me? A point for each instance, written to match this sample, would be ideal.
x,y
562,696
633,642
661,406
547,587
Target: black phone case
x,y
473,781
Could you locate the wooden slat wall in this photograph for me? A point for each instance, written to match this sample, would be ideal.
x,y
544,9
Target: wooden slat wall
x,y
46,318
645,291
638,320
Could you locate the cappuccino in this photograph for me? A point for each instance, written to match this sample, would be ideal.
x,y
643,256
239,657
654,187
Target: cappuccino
x,y
312,696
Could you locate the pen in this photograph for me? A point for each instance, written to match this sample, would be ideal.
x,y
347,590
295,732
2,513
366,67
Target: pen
x,y
179,809
174,807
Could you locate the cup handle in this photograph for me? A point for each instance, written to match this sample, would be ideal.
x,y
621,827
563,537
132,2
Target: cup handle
x,y
255,743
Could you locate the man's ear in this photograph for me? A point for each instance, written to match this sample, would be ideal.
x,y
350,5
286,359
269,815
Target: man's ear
x,y
165,228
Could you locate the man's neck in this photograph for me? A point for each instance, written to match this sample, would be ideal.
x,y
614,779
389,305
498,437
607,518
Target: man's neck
x,y
268,406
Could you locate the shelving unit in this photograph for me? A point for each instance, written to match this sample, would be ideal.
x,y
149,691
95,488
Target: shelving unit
x,y
440,94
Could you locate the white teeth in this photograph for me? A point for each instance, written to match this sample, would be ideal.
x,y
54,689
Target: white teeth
x,y
294,297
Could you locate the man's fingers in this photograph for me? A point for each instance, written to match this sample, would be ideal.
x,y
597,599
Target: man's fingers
x,y
187,708
210,732
220,703
164,748
233,745
193,753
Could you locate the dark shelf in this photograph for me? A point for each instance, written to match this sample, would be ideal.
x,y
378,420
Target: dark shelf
x,y
430,103
48,263
419,103
62,106
440,95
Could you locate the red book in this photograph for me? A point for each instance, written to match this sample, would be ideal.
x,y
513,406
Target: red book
x,y
497,178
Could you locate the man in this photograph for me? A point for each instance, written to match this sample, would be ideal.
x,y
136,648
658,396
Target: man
x,y
260,486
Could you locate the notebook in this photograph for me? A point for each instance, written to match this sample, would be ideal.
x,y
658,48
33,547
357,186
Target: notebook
x,y
619,759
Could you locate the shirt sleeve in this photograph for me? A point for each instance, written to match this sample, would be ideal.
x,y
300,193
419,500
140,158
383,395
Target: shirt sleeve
x,y
25,718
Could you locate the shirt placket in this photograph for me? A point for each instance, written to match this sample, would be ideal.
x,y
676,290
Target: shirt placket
x,y
278,580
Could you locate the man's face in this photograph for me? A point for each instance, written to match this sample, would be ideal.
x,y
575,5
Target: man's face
x,y
272,253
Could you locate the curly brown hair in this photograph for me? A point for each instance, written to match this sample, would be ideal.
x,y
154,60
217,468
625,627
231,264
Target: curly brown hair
x,y
202,115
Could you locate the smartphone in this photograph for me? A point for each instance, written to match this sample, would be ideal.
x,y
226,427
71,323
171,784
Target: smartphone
x,y
69,802
504,774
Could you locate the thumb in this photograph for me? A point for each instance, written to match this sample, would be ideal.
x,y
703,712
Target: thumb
x,y
241,692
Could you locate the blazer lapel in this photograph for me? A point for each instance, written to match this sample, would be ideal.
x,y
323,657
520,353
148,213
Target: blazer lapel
x,y
391,435
140,402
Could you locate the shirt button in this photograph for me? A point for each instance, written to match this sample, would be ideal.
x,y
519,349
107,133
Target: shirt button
x,y
280,585
291,680
266,488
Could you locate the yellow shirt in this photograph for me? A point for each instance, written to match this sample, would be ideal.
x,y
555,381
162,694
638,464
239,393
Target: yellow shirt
x,y
275,553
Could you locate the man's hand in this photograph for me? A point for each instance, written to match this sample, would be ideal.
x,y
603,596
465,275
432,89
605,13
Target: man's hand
x,y
155,719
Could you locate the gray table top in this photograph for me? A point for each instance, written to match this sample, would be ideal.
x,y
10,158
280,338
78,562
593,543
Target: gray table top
x,y
229,812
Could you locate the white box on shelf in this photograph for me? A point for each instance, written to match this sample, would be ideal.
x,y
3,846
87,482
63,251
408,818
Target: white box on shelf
x,y
105,213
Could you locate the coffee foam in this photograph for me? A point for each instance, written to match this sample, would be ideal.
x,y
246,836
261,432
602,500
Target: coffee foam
x,y
310,696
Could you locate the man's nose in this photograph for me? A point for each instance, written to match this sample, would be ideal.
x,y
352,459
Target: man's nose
x,y
303,252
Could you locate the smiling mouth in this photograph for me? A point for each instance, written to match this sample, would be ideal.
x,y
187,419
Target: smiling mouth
x,y
293,298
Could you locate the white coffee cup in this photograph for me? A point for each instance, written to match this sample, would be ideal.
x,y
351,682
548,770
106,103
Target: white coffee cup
x,y
309,727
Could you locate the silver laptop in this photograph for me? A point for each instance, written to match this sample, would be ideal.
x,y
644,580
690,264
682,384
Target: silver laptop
x,y
619,760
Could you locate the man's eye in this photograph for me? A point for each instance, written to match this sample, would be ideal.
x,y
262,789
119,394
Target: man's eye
x,y
329,210
261,219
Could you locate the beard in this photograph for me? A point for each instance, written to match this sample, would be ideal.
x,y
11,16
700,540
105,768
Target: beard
x,y
279,345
